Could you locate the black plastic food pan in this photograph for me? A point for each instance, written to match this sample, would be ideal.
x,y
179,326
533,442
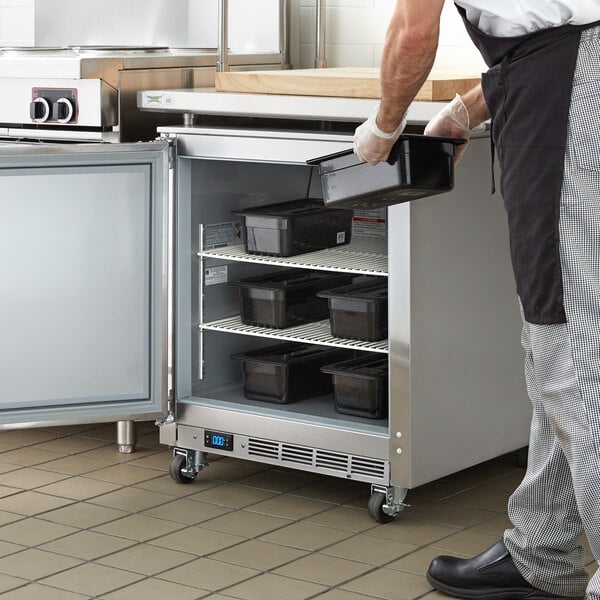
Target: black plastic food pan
x,y
287,372
295,227
359,311
286,298
361,386
418,166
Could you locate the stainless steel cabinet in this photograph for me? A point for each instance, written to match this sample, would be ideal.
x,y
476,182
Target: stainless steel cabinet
x,y
456,396
83,299
85,237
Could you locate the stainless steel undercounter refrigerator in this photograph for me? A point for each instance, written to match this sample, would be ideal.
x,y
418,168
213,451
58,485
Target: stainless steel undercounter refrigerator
x,y
413,372
268,364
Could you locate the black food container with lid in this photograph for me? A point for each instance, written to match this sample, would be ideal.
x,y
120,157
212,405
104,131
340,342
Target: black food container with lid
x,y
359,311
418,166
360,386
295,227
286,298
288,372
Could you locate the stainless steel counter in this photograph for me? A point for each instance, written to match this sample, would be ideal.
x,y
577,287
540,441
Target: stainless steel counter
x,y
207,101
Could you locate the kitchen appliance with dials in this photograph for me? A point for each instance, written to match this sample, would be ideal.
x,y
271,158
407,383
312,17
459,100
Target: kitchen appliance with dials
x,y
89,93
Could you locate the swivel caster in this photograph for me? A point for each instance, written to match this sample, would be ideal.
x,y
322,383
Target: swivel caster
x,y
186,464
386,503
178,471
375,507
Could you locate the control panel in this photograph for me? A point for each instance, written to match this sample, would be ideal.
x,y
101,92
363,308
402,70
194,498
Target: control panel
x,y
53,105
218,440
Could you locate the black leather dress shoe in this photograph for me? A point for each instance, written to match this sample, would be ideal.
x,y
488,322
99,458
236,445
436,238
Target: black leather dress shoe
x,y
490,575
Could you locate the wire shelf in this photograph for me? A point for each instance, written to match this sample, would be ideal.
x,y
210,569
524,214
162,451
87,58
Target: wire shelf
x,y
318,332
361,256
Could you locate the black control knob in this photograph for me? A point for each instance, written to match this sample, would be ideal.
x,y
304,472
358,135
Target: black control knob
x,y
39,110
62,110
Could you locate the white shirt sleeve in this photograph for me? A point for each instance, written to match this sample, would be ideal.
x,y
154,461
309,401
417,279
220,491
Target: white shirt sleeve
x,y
511,18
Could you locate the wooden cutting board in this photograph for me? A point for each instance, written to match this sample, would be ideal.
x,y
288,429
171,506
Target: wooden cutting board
x,y
343,82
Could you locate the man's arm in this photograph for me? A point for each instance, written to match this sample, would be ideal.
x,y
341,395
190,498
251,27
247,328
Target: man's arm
x,y
410,47
409,51
476,106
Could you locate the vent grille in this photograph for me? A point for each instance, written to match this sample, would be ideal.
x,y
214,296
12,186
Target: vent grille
x,y
367,466
358,467
332,460
263,448
296,454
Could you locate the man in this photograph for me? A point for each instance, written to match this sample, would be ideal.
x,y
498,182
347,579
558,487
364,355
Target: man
x,y
543,95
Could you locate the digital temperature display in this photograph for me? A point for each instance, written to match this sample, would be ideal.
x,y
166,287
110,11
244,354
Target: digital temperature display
x,y
218,440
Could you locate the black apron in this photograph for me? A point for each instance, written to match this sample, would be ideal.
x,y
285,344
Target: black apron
x,y
528,93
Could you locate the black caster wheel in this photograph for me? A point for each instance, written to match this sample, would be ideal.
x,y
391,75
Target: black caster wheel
x,y
375,507
175,470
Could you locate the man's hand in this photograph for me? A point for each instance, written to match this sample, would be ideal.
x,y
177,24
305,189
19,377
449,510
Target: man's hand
x,y
372,145
459,119
453,122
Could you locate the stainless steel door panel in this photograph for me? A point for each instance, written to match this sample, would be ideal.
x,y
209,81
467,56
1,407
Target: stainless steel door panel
x,y
82,264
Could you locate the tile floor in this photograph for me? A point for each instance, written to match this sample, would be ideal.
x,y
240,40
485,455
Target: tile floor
x,y
78,520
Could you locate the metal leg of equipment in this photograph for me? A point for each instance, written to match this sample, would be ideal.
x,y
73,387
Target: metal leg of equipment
x,y
126,436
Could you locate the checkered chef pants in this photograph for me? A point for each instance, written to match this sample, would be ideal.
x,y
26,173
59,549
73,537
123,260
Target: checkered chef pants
x,y
559,498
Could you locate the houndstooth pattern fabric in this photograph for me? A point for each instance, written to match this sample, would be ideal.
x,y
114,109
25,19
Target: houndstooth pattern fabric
x,y
559,498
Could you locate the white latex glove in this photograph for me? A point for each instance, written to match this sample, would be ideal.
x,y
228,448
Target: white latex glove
x,y
372,145
453,121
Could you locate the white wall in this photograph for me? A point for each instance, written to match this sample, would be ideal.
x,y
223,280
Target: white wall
x,y
356,30
253,24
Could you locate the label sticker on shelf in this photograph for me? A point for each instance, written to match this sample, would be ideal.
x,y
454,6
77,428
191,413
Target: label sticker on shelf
x,y
341,237
370,223
214,275
218,235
